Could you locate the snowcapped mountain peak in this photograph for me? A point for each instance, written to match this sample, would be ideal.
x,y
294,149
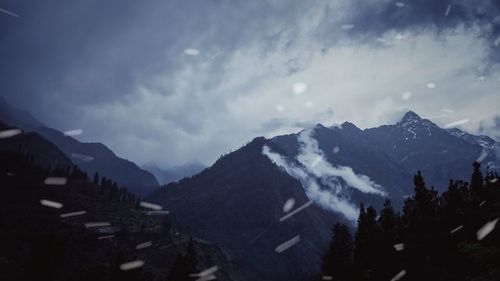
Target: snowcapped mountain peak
x,y
409,118
415,127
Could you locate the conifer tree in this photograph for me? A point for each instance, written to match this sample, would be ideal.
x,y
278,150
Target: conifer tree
x,y
337,262
365,247
184,265
476,182
96,178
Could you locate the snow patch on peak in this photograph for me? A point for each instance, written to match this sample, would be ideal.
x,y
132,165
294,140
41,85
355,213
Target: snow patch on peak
x,y
410,116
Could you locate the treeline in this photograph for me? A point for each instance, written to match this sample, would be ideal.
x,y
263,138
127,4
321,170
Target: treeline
x,y
22,160
448,236
37,243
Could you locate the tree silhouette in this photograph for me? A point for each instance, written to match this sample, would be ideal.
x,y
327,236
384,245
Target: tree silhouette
x,y
435,238
96,178
184,265
337,262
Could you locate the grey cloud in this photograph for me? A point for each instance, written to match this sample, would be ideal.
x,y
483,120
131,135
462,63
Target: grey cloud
x,y
94,51
117,68
311,168
491,127
371,19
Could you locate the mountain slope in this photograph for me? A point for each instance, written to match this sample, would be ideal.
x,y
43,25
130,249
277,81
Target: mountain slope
x,y
418,144
348,146
52,242
44,153
90,157
238,203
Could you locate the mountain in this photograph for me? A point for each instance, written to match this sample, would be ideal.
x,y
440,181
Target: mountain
x,y
418,144
90,157
175,173
490,148
238,202
44,153
47,231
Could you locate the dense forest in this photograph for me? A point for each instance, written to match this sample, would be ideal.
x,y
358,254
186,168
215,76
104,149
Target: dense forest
x,y
448,236
59,224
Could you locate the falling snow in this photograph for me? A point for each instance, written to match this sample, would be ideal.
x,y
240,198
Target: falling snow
x,y
9,13
10,133
82,157
399,275
448,10
52,204
299,88
347,26
486,229
457,123
309,203
131,265
287,244
144,245
456,229
151,206
207,274
191,52
399,247
163,212
288,205
96,224
406,95
431,85
172,244
55,181
73,214
74,132
400,4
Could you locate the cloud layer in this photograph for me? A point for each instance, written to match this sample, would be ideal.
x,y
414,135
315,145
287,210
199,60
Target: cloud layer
x,y
323,183
185,81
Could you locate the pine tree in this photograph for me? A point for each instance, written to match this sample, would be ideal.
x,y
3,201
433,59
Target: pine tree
x,y
365,250
184,265
96,178
337,262
476,182
388,223
180,270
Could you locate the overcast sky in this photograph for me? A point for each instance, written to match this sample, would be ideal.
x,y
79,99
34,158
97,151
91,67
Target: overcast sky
x,y
185,81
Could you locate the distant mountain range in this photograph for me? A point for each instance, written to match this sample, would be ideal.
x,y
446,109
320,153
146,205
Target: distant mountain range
x,y
90,157
239,202
284,191
175,173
